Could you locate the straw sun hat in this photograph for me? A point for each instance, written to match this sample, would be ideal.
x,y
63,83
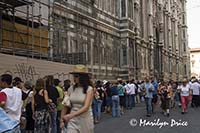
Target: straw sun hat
x,y
80,69
184,80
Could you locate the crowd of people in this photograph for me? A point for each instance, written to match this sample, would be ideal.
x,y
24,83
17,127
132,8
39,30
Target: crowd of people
x,y
50,106
27,105
120,95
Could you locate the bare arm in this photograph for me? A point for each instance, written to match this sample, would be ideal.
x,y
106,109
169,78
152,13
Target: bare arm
x,y
2,104
63,113
25,102
33,104
46,97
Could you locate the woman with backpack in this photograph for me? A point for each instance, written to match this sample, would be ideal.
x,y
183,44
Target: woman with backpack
x,y
27,106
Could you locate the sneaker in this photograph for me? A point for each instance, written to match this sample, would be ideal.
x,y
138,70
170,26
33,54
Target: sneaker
x,y
148,115
182,112
96,122
186,111
168,115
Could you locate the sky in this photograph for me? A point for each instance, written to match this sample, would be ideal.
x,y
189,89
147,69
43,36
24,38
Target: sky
x,y
193,23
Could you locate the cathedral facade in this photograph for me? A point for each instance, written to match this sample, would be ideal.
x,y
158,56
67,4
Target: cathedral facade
x,y
125,38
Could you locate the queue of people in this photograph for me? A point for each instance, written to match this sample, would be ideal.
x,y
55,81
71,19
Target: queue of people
x,y
26,105
50,107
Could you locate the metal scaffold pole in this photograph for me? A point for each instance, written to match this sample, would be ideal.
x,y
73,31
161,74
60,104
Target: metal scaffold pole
x,y
32,18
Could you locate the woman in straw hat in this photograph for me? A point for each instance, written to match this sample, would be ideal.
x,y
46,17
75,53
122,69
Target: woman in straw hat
x,y
80,118
186,93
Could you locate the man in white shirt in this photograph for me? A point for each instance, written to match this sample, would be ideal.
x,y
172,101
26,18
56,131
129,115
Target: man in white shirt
x,y
13,100
195,86
130,91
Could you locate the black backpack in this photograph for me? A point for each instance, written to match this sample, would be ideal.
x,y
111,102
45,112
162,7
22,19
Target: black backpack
x,y
25,95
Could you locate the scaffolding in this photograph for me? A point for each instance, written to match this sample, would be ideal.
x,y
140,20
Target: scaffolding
x,y
30,28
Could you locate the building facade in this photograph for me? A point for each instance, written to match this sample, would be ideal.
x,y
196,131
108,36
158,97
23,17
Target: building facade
x,y
114,38
128,38
195,62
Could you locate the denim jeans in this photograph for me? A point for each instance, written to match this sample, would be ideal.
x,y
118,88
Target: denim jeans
x,y
15,130
133,100
148,105
177,97
97,109
108,101
99,103
94,107
115,106
130,101
53,116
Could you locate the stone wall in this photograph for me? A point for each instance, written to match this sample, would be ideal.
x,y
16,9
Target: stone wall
x,y
32,69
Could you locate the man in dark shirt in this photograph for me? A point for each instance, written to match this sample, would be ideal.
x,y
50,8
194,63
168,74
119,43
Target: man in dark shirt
x,y
108,100
53,95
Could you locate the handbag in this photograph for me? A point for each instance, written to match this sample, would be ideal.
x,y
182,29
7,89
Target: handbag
x,y
51,107
66,101
23,121
97,95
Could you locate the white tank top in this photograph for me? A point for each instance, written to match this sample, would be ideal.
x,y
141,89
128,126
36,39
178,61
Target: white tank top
x,y
185,90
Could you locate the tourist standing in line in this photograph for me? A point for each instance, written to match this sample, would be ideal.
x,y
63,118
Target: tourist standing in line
x,y
11,102
107,88
28,85
98,99
115,101
130,90
195,87
148,89
53,95
39,107
137,91
58,86
121,92
155,94
17,82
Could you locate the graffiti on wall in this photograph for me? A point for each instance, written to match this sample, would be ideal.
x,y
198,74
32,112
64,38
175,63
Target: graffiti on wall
x,y
26,72
29,72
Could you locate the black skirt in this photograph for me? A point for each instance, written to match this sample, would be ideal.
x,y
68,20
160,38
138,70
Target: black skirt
x,y
29,118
